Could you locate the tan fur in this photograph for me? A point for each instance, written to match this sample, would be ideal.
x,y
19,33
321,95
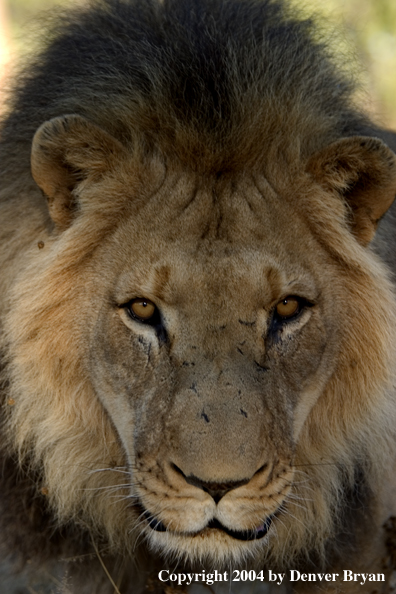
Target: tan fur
x,y
294,422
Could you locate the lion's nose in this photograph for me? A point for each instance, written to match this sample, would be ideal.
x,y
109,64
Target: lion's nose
x,y
215,490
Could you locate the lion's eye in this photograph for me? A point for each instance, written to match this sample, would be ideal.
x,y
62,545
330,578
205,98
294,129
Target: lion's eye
x,y
142,309
288,307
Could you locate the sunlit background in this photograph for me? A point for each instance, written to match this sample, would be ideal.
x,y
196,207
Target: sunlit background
x,y
368,28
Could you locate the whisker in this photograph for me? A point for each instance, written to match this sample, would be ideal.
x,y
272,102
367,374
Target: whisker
x,y
106,487
119,469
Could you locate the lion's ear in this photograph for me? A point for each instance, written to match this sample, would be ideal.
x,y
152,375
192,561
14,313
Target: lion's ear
x,y
66,151
363,171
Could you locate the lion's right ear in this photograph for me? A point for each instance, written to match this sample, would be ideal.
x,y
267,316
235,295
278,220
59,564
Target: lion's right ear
x,y
66,151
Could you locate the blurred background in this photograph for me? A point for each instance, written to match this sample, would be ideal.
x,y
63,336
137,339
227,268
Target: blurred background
x,y
366,30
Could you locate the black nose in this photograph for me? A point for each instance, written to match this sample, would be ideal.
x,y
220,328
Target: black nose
x,y
215,490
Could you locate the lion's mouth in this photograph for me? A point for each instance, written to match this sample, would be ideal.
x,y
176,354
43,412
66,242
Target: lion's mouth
x,y
245,535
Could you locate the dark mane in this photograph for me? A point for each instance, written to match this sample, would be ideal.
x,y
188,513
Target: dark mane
x,y
195,79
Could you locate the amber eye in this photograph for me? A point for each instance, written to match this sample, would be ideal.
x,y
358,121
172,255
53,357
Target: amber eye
x,y
142,309
288,307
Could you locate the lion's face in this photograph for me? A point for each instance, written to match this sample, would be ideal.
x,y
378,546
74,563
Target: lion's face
x,y
209,393
196,345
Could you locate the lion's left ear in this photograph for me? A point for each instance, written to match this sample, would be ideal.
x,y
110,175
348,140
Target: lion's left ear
x,y
363,171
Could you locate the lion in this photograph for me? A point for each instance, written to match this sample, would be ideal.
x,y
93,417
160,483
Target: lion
x,y
198,313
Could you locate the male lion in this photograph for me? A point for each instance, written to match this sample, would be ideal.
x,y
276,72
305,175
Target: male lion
x,y
198,325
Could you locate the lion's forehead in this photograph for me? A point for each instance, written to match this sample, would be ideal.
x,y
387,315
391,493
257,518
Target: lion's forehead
x,y
244,210
213,239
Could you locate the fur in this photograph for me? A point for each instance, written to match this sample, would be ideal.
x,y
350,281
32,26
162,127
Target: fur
x,y
206,155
